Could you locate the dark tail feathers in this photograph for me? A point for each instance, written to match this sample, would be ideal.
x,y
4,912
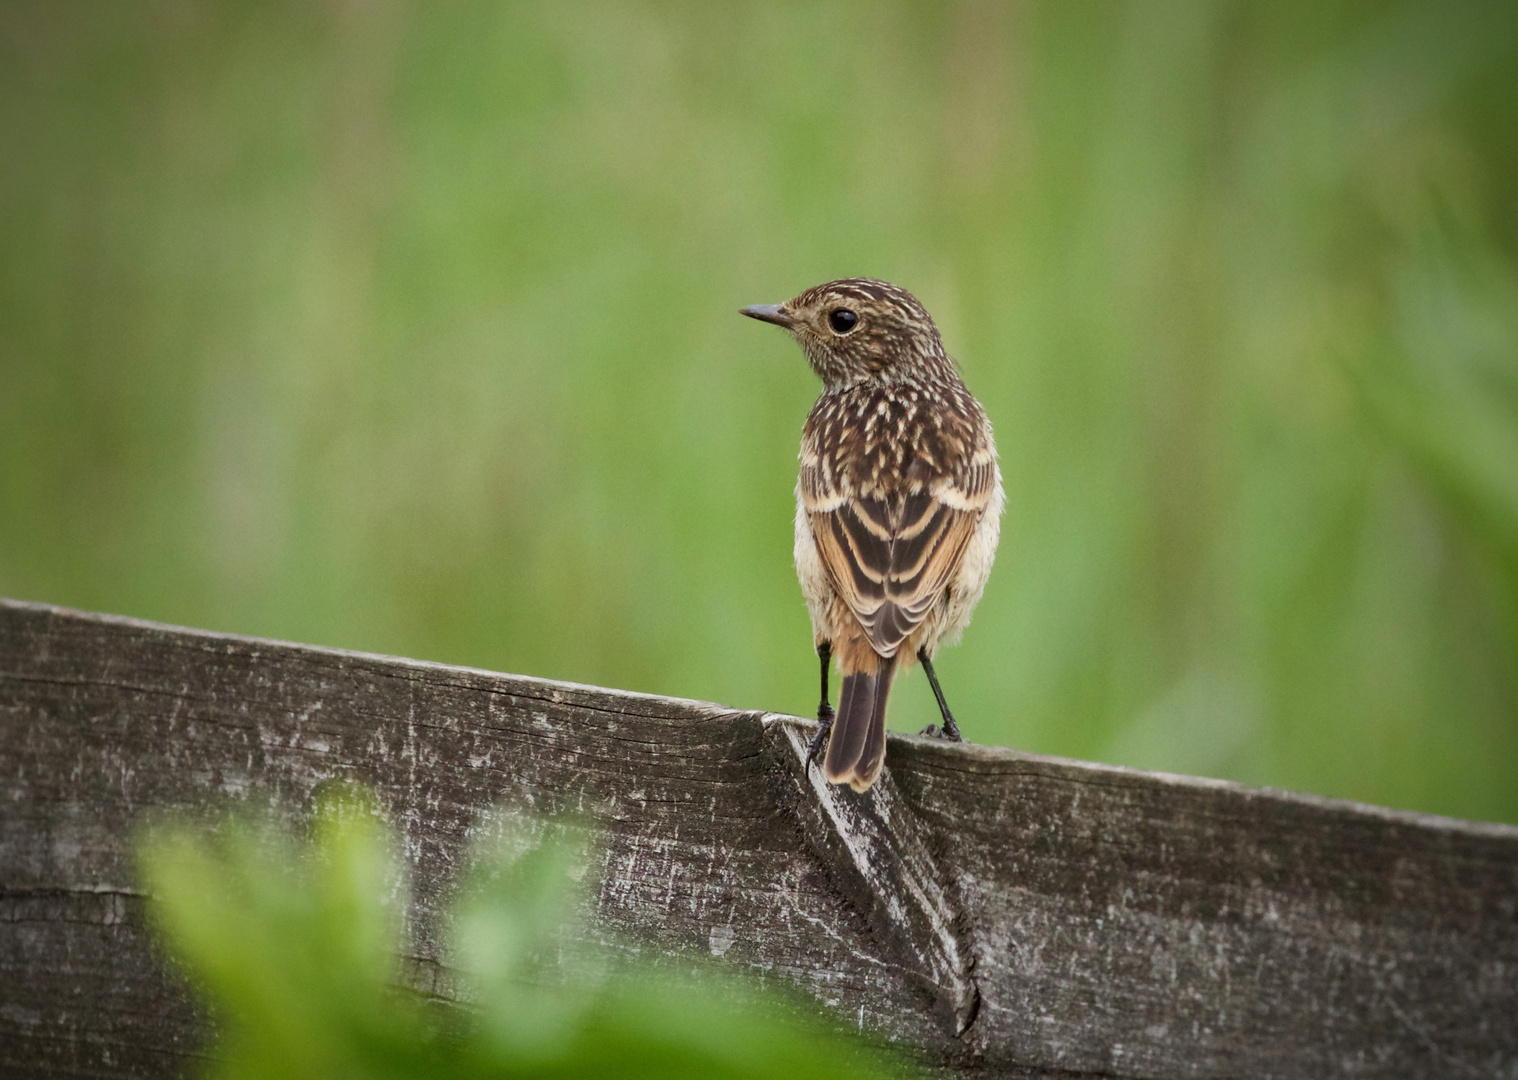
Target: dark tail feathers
x,y
856,747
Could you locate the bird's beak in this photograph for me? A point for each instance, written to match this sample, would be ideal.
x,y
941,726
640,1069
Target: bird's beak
x,y
772,313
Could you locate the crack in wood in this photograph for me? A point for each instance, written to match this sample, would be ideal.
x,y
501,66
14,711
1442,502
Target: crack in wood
x,y
877,850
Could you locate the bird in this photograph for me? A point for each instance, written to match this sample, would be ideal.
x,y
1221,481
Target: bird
x,y
898,506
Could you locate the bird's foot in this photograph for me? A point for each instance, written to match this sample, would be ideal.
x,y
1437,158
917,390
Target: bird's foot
x,y
949,731
825,717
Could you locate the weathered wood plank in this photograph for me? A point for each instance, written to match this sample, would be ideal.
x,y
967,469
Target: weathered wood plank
x,y
1002,912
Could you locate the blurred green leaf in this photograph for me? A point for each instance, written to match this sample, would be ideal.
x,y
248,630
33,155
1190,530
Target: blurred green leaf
x,y
294,947
517,907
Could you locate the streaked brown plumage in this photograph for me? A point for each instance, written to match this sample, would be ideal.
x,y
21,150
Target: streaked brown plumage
x,y
898,506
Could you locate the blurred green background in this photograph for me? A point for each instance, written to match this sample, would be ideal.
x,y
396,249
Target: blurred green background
x,y
411,327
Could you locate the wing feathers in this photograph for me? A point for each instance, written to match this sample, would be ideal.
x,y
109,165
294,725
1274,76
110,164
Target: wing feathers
x,y
891,581
894,485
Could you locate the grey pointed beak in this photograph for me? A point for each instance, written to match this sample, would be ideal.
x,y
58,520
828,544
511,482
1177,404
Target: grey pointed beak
x,y
771,313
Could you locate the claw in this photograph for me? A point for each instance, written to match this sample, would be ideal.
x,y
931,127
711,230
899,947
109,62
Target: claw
x,y
950,728
825,717
949,732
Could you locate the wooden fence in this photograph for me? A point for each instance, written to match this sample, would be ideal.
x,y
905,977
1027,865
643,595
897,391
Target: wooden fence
x,y
1002,913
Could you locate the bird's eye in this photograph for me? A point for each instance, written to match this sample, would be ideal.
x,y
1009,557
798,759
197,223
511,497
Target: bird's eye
x,y
842,320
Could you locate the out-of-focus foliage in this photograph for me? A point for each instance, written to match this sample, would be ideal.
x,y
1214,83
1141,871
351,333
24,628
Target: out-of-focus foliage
x,y
410,326
295,950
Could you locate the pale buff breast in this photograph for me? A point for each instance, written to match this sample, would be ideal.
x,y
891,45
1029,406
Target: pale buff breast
x,y
814,579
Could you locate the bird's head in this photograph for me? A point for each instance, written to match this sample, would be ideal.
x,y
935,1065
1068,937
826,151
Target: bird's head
x,y
860,330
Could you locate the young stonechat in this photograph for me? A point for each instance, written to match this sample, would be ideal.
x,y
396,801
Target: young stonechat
x,y
898,506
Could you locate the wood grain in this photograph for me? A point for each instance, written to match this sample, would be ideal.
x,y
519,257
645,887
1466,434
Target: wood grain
x,y
1001,913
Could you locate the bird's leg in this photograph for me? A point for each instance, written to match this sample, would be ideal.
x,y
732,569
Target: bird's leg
x,y
824,710
950,728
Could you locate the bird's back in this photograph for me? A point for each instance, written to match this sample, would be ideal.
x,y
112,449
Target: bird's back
x,y
894,480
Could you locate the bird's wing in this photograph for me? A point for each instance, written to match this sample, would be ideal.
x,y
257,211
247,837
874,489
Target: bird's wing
x,y
890,556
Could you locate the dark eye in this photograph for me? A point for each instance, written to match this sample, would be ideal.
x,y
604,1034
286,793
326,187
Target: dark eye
x,y
842,320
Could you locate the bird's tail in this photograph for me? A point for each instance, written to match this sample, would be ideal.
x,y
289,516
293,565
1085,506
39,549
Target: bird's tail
x,y
856,747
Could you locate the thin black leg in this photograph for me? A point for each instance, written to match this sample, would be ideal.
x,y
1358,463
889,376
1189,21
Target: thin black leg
x,y
824,710
950,728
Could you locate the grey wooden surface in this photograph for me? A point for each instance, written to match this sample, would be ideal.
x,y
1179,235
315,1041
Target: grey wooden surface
x,y
1003,913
